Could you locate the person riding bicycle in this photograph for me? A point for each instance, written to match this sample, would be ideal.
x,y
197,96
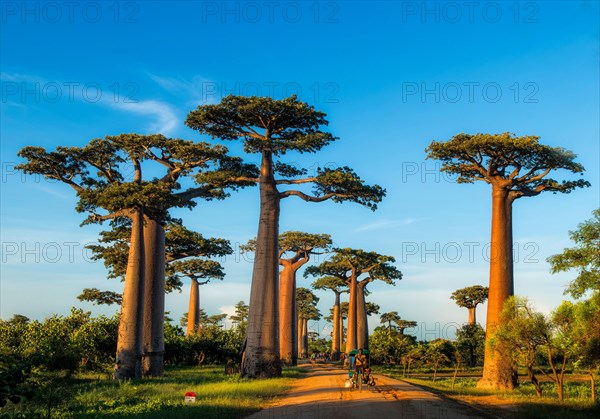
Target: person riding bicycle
x,y
360,363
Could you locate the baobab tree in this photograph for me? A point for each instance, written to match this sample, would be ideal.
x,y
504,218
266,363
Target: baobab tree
x,y
349,265
388,318
98,172
402,325
306,301
272,128
363,310
515,167
95,296
200,272
181,245
338,286
470,298
295,249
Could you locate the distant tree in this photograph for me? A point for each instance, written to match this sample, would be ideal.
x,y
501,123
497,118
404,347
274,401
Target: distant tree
x,y
349,265
405,324
306,303
338,286
582,258
240,317
438,352
470,298
272,128
470,341
515,167
94,295
388,318
200,272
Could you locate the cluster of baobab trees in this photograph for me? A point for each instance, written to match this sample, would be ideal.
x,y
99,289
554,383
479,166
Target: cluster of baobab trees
x,y
99,172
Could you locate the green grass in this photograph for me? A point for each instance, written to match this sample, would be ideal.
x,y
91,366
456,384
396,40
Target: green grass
x,y
519,403
217,396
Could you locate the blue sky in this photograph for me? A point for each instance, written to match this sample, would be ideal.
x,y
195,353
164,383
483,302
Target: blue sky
x,y
392,76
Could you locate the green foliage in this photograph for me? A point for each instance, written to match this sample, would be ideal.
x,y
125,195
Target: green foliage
x,y
306,304
263,124
470,297
388,346
218,346
470,344
346,261
96,296
518,164
583,258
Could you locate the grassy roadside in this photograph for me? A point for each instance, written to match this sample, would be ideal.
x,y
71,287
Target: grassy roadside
x,y
217,396
520,403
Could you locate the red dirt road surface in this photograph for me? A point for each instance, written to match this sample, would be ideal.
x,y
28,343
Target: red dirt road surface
x,y
321,394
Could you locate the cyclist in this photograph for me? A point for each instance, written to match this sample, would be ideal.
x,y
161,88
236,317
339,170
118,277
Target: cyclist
x,y
360,363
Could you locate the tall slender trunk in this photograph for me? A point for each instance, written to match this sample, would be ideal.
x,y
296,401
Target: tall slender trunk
x,y
261,358
497,367
154,299
129,342
593,386
351,339
362,327
193,322
300,326
287,315
304,340
341,331
472,319
335,333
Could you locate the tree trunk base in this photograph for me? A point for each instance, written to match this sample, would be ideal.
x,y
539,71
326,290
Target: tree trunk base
x,y
152,364
256,366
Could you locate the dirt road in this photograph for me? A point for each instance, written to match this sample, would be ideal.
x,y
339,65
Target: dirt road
x,y
321,394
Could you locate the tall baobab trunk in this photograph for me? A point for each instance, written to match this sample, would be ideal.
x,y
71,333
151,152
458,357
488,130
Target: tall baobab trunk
x,y
497,367
287,315
300,326
341,332
129,343
304,338
193,322
351,339
262,335
154,299
362,328
335,333
472,320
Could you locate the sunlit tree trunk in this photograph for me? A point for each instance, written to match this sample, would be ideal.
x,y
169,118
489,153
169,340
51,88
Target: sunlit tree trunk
x,y
351,339
472,319
193,322
262,335
497,367
300,326
335,333
154,299
129,342
287,315
305,338
362,328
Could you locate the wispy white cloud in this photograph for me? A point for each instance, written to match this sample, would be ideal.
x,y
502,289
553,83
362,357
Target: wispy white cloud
x,y
165,118
195,89
20,78
385,223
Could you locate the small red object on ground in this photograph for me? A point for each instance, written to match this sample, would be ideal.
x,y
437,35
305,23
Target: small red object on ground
x,y
190,397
